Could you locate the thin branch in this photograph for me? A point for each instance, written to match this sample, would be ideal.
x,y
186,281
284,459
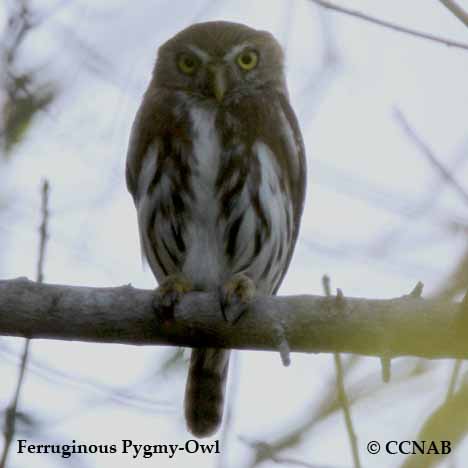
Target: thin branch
x,y
265,451
453,379
457,10
315,412
449,422
342,397
132,395
11,411
430,328
389,25
43,231
430,156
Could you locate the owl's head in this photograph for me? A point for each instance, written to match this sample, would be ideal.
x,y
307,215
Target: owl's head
x,y
220,60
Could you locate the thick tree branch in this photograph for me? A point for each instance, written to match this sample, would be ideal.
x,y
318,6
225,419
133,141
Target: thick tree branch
x,y
394,327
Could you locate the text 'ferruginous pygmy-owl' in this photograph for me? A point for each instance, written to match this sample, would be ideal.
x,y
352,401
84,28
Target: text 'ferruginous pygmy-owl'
x,y
216,168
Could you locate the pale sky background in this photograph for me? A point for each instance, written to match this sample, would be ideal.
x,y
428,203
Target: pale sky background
x,y
366,180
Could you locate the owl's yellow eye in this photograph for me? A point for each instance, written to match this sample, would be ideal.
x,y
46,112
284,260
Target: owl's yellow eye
x,y
187,64
247,60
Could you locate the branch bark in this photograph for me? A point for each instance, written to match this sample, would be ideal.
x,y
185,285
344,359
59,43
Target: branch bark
x,y
407,325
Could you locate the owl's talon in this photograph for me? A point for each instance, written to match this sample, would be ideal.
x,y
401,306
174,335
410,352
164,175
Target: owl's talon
x,y
169,293
235,296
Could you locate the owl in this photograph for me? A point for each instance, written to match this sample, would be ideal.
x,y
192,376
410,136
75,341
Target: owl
x,y
216,168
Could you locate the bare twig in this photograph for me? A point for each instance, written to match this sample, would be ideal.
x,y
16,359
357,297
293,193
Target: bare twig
x,y
389,25
43,231
457,10
457,282
11,411
346,411
265,451
448,422
417,290
315,412
342,397
453,379
421,208
386,359
326,285
386,365
131,395
19,24
294,462
430,156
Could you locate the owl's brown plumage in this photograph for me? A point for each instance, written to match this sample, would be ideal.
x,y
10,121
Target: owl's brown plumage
x,y
216,168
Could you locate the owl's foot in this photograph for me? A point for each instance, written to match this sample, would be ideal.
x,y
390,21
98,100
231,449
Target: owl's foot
x,y
169,293
235,296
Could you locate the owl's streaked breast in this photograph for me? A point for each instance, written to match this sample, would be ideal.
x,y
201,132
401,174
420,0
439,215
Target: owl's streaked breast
x,y
252,239
220,206
205,260
205,160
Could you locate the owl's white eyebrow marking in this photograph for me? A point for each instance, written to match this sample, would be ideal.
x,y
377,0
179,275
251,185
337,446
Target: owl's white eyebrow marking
x,y
201,54
235,50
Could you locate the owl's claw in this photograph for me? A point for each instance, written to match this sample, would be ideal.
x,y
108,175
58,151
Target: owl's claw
x,y
235,296
169,293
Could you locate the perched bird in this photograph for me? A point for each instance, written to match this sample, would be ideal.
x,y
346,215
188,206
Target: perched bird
x,y
216,168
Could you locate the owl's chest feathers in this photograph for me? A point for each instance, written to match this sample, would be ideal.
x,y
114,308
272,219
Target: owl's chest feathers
x,y
205,260
204,162
235,215
240,212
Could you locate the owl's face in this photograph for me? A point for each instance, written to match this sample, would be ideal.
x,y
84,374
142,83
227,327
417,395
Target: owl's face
x,y
219,61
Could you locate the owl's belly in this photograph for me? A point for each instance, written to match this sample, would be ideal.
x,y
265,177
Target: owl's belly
x,y
203,262
250,237
229,221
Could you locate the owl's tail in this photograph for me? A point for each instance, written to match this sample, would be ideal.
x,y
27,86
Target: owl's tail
x,y
204,393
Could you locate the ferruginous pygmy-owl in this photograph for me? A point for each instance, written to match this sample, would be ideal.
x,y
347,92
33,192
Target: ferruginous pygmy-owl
x,y
216,168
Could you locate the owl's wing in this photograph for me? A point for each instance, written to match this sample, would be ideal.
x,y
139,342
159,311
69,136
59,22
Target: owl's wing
x,y
141,166
137,152
296,171
155,149
141,137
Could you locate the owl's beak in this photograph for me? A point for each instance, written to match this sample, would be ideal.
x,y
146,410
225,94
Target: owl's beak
x,y
218,81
